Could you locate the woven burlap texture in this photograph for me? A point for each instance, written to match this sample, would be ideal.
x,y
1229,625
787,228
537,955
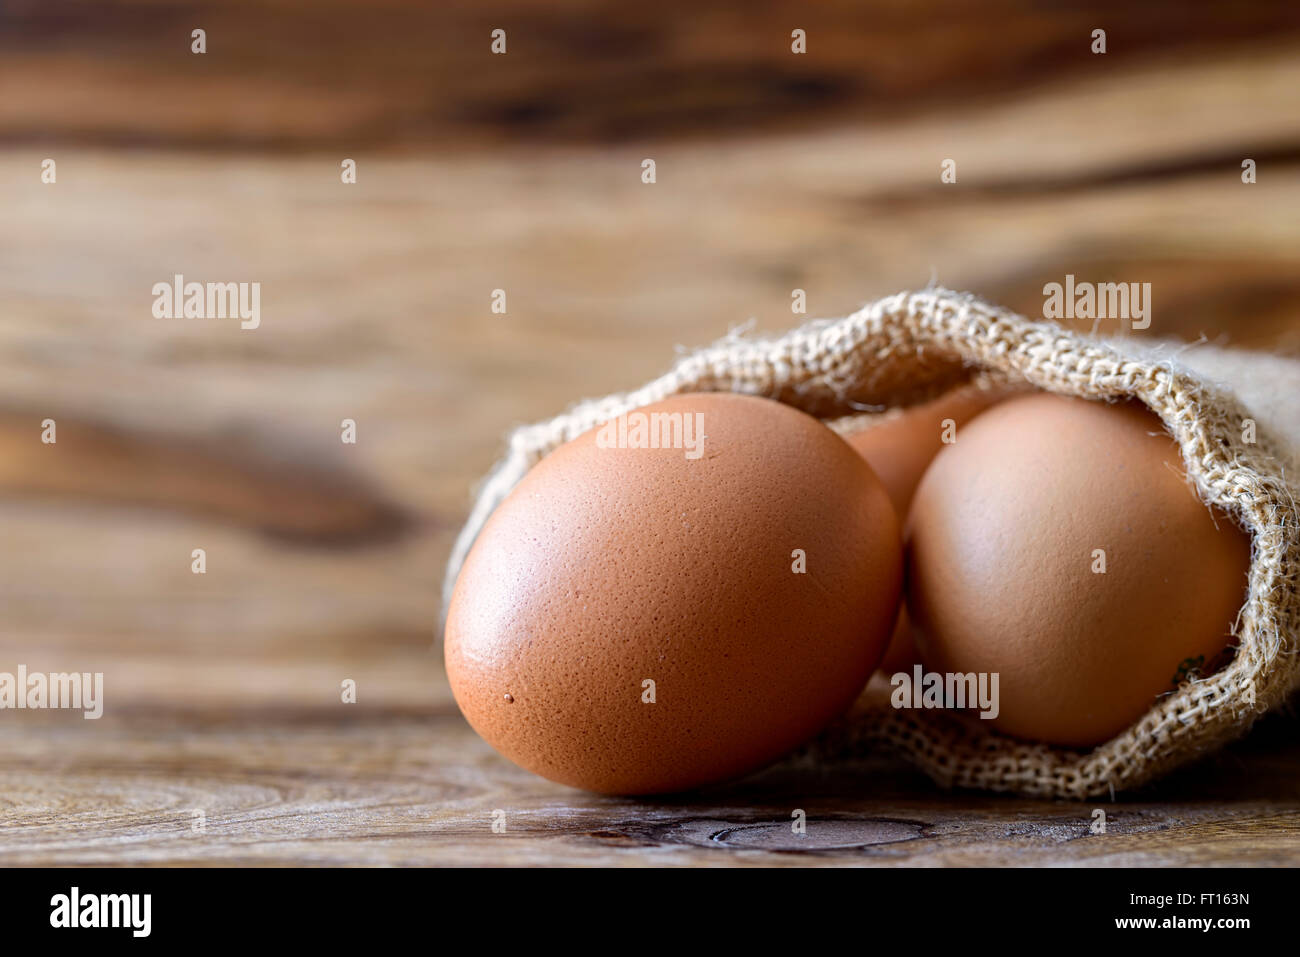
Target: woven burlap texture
x,y
905,348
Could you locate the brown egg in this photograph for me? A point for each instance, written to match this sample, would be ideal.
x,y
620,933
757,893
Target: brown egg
x,y
899,448
635,620
1058,545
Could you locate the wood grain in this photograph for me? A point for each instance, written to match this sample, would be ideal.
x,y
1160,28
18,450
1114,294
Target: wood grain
x,y
337,74
273,493
223,689
366,784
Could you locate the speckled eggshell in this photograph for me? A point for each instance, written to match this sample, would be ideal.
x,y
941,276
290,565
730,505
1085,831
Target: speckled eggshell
x,y
1004,570
607,568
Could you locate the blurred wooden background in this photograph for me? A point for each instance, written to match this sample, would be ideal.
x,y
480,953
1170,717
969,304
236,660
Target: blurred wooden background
x,y
522,172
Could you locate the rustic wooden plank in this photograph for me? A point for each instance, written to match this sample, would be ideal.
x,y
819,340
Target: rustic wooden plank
x,y
375,787
287,76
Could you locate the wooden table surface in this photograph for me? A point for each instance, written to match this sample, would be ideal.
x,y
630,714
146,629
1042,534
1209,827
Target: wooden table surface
x,y
397,780
222,690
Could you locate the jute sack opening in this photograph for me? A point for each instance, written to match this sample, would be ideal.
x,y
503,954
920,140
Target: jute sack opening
x,y
907,348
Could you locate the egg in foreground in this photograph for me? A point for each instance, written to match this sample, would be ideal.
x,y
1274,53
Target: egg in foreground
x,y
637,620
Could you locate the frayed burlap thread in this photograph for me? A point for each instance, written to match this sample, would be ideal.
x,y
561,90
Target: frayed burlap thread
x,y
906,348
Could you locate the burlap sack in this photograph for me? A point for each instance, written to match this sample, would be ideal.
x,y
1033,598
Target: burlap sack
x,y
905,349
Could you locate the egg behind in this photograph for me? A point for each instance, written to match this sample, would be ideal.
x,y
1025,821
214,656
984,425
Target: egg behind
x,y
899,447
636,620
